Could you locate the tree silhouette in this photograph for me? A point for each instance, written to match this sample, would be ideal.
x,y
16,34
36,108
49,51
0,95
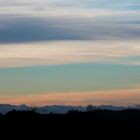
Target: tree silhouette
x,y
90,108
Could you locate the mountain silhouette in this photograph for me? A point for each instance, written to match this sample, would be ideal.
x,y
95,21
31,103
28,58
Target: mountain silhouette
x,y
5,108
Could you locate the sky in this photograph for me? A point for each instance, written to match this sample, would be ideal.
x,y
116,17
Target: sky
x,y
70,52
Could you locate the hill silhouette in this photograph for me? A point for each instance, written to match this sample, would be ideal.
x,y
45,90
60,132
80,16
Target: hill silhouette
x,y
91,123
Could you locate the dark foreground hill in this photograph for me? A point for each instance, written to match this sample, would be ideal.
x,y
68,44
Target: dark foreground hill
x,y
93,124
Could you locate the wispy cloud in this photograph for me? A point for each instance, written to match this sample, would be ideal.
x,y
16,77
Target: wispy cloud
x,y
32,20
66,52
25,29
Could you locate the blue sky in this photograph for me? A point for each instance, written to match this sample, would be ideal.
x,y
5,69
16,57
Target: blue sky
x,y
68,78
69,46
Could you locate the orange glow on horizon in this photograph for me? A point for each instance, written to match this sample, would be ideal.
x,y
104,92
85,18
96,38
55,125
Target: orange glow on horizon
x,y
111,97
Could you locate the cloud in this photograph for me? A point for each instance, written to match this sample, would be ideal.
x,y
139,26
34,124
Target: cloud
x,y
67,7
72,3
66,52
45,20
32,29
68,24
27,29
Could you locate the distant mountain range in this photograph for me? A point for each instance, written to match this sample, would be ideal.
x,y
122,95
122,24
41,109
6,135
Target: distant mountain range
x,y
5,108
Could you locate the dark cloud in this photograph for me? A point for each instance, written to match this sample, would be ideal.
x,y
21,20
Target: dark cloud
x,y
29,29
32,29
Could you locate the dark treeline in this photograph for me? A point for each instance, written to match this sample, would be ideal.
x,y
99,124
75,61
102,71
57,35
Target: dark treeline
x,y
96,123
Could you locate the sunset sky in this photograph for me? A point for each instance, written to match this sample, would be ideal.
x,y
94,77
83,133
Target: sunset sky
x,y
70,52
